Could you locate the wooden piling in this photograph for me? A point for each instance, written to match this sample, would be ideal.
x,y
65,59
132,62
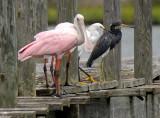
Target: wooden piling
x,y
26,29
31,18
67,9
143,40
8,54
112,63
41,20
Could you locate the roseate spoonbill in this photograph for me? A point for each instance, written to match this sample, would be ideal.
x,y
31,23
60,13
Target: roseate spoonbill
x,y
57,43
106,42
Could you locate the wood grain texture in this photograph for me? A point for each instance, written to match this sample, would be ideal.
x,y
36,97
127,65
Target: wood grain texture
x,y
8,54
41,19
112,63
143,40
67,9
26,29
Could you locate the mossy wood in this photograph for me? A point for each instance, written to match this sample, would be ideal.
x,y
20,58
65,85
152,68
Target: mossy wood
x,y
112,62
31,18
143,40
8,54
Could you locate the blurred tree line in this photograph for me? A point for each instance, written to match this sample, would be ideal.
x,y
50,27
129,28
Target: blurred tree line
x,y
91,9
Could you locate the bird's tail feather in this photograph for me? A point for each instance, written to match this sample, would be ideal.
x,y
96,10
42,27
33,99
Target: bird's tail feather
x,y
23,54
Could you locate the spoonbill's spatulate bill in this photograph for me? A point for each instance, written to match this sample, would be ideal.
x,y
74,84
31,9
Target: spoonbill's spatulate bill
x,y
57,43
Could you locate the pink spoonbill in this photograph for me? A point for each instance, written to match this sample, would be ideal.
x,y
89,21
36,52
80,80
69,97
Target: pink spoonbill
x,y
57,43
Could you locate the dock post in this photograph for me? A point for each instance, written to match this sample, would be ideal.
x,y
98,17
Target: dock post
x,y
67,9
8,55
112,63
41,20
143,40
26,29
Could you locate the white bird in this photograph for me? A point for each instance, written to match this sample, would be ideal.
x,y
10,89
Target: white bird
x,y
94,32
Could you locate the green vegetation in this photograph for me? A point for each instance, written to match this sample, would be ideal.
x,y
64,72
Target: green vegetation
x,y
95,14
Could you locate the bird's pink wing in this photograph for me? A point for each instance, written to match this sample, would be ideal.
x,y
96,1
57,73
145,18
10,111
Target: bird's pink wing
x,y
46,34
58,43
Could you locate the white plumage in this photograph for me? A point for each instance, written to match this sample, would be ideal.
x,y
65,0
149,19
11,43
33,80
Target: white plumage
x,y
94,32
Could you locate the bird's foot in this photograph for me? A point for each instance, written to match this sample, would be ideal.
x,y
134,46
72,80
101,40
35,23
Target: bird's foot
x,y
57,95
91,79
47,86
67,84
83,83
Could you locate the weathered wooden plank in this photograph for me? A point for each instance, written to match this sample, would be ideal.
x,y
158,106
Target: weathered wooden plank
x,y
138,107
19,114
98,94
112,63
156,72
104,85
80,100
67,9
127,92
118,92
66,101
143,40
39,111
128,83
149,105
50,106
26,29
75,89
79,88
156,108
8,54
120,107
98,108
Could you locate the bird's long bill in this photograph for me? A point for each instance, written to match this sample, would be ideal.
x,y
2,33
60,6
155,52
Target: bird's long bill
x,y
124,25
88,46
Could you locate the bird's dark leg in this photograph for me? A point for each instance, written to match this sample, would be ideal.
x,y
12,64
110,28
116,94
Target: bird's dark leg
x,y
67,68
89,77
78,70
57,81
51,69
45,72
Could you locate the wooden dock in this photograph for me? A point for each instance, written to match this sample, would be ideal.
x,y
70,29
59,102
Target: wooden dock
x,y
30,107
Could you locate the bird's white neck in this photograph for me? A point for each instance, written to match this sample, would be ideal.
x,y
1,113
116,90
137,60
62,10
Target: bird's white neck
x,y
82,36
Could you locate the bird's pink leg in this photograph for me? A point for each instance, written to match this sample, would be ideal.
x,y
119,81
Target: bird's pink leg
x,y
56,74
67,67
51,69
45,72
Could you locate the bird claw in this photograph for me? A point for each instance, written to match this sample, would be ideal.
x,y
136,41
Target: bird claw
x,y
47,86
83,83
91,79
